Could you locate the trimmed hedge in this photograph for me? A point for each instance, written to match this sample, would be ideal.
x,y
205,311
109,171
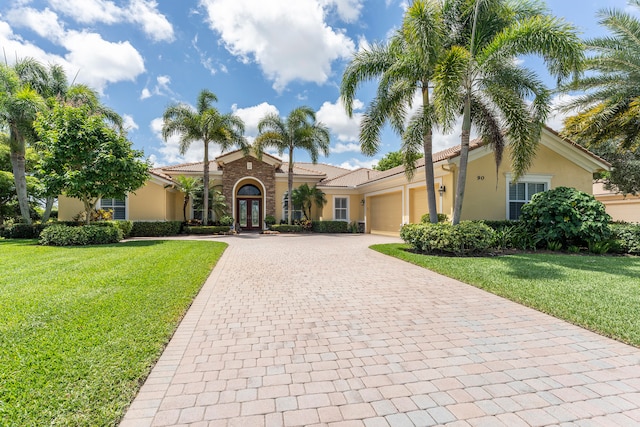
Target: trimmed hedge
x,y
208,229
286,228
23,231
156,228
124,226
330,226
466,238
626,238
64,235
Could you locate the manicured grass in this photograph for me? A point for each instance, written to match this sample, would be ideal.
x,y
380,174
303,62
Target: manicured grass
x,y
80,328
600,293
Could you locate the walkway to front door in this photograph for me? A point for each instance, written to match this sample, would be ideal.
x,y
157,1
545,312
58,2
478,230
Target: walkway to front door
x,y
321,330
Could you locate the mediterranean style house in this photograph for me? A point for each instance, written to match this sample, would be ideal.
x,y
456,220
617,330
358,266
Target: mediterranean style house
x,y
382,201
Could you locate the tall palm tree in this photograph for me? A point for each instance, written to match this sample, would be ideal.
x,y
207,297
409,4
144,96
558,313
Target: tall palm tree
x,y
305,197
19,104
610,108
480,76
298,130
404,65
189,187
206,124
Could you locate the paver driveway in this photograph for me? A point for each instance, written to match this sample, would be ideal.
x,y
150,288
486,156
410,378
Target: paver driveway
x,y
306,330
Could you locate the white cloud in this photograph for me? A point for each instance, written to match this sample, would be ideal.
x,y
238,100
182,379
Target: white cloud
x,y
358,163
348,10
45,23
161,88
170,149
252,115
146,93
351,147
289,39
129,123
142,12
335,117
556,119
96,62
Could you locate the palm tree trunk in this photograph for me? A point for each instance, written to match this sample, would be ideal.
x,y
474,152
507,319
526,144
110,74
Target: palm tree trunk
x,y
205,182
184,208
429,175
464,160
18,165
290,187
47,208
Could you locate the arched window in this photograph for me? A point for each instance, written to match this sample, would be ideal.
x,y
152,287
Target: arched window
x,y
249,190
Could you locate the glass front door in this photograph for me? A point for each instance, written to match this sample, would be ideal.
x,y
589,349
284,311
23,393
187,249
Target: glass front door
x,y
249,214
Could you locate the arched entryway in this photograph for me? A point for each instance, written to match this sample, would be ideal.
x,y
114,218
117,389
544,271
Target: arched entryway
x,y
249,204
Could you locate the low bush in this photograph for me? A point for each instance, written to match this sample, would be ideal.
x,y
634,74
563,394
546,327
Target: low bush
x,y
207,229
226,220
567,216
269,220
329,226
124,226
441,218
286,228
466,238
625,238
501,224
155,228
23,231
64,235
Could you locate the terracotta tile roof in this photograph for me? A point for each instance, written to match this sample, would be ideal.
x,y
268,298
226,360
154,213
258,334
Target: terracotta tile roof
x,y
160,174
351,179
329,171
578,146
195,167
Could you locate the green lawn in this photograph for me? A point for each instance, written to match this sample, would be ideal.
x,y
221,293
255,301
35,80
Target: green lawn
x,y
601,293
80,328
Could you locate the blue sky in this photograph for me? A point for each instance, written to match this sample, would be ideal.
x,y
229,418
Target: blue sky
x,y
258,56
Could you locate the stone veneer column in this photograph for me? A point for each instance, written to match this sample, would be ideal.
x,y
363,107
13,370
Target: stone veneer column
x,y
235,171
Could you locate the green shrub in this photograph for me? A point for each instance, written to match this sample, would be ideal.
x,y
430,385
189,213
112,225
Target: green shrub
x,y
626,238
501,224
155,228
566,215
468,237
23,231
441,218
64,235
269,220
207,229
226,220
330,226
286,228
124,226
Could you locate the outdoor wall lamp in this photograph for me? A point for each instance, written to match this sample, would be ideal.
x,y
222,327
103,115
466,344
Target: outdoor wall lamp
x,y
362,202
441,190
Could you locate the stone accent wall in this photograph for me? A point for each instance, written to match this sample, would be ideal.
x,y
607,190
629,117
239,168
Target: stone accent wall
x,y
238,170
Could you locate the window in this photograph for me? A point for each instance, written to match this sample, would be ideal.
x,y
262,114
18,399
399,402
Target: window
x,y
118,206
249,190
297,210
520,193
341,209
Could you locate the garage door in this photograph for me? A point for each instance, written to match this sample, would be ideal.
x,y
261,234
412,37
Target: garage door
x,y
385,213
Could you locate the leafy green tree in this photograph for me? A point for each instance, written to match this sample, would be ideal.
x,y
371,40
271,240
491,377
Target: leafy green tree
x,y
84,158
393,159
305,197
609,109
403,66
189,187
481,76
205,124
7,194
298,130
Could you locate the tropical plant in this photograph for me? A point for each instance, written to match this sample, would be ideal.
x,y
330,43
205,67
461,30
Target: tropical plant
x,y
305,196
205,124
609,109
84,158
392,159
480,75
218,205
404,65
189,187
298,130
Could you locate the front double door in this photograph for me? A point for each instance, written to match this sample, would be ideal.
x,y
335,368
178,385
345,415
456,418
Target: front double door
x,y
249,214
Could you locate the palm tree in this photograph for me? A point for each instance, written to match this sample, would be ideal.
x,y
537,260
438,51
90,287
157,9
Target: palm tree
x,y
305,196
298,130
610,108
404,65
19,104
206,124
480,76
189,187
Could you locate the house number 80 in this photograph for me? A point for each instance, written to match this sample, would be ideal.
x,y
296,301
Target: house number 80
x,y
480,178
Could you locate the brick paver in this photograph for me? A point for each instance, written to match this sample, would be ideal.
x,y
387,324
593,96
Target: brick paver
x,y
319,330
